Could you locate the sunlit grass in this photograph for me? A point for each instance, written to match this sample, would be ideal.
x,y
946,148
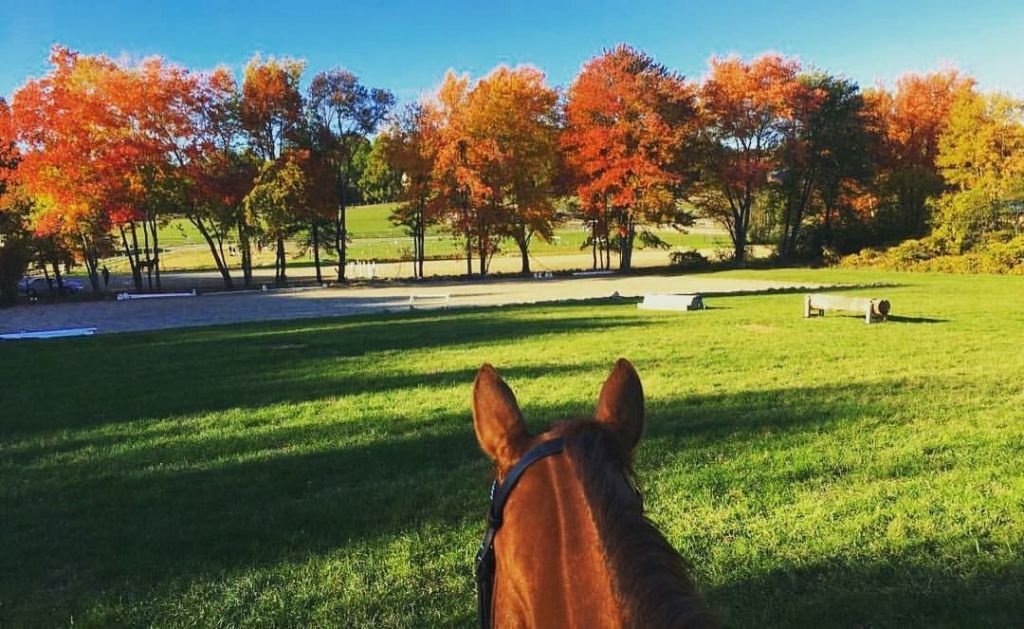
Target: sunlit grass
x,y
324,473
374,237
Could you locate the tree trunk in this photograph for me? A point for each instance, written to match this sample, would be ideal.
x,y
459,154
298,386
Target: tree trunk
x,y
481,243
137,253
626,255
58,277
245,251
156,253
420,239
524,249
133,261
423,247
280,277
316,252
340,240
606,229
739,250
218,256
741,217
149,258
89,256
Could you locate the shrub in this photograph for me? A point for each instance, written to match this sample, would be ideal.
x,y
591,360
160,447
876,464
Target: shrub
x,y
997,255
688,260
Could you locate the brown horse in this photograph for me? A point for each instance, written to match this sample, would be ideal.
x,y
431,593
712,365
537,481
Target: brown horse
x,y
571,546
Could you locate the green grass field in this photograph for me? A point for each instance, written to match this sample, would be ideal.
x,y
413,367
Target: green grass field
x,y
324,472
375,238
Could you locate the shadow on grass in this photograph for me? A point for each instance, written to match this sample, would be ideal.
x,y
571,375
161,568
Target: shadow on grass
x,y
134,520
164,374
899,319
898,592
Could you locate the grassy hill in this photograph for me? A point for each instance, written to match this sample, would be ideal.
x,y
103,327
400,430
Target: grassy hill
x,y
818,472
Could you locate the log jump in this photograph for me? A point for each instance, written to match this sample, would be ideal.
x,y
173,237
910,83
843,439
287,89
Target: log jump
x,y
661,301
872,309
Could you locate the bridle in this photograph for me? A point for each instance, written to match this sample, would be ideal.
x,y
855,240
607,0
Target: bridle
x,y
485,560
485,563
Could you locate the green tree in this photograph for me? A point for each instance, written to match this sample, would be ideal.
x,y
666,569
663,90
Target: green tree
x,y
826,154
378,181
342,113
279,198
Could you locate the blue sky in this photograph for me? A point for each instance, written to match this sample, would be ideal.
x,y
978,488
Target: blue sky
x,y
406,45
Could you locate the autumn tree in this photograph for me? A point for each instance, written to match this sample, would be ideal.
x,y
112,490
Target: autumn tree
x,y
75,159
219,172
452,197
511,128
15,236
409,146
159,105
981,157
271,114
342,113
8,147
628,119
747,108
910,121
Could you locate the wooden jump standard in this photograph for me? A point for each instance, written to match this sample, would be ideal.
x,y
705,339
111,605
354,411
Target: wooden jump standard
x,y
873,309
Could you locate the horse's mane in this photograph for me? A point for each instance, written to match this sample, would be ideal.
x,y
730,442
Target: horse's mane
x,y
649,575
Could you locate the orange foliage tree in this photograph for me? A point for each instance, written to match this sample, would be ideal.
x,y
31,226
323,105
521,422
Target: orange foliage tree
x,y
747,109
510,126
451,200
628,119
103,150
15,237
910,121
76,155
8,146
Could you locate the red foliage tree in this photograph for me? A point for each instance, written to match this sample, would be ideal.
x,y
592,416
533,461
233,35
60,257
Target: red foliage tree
x,y
627,120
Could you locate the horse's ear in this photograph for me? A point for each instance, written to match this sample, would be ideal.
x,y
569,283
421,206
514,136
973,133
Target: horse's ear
x,y
498,423
621,405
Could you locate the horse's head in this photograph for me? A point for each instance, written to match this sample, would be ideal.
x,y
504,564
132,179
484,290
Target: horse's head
x,y
571,546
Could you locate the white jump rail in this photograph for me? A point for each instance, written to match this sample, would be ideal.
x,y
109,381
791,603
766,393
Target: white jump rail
x,y
48,334
135,296
430,297
666,301
592,273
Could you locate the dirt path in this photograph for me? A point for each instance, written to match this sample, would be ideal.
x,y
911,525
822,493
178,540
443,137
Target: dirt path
x,y
153,314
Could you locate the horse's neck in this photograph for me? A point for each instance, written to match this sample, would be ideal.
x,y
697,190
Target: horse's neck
x,y
551,569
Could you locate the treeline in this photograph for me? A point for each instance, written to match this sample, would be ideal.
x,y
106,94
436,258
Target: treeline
x,y
98,154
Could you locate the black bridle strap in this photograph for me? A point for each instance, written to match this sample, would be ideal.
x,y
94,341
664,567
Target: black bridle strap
x,y
485,563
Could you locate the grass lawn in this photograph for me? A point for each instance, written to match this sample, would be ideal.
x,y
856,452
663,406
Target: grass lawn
x,y
324,473
375,238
